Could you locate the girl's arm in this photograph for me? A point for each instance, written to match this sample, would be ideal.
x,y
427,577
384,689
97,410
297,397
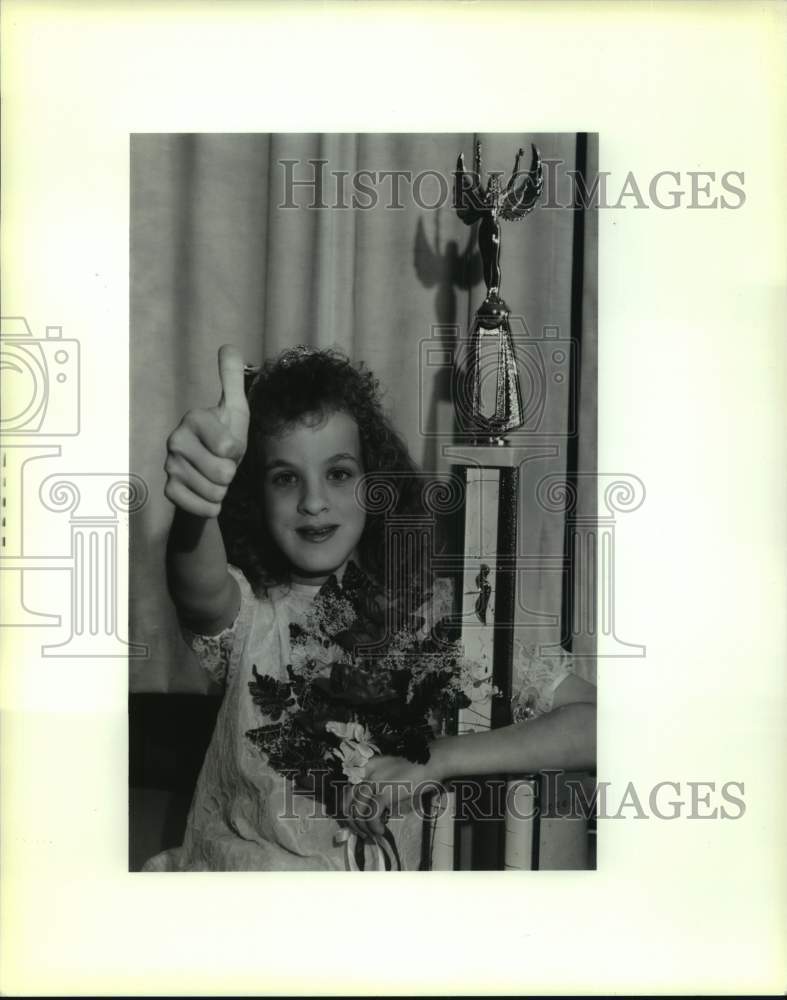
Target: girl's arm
x,y
206,596
565,738
203,454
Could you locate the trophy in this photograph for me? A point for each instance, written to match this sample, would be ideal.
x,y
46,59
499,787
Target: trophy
x,y
487,396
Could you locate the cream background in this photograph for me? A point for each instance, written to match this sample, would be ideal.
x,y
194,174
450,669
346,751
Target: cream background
x,y
691,379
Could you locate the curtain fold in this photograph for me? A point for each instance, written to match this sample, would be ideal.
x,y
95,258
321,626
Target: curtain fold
x,y
218,257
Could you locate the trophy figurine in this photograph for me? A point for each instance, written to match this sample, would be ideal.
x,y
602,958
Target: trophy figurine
x,y
487,396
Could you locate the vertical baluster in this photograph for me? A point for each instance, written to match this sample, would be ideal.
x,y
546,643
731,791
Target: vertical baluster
x,y
521,824
444,812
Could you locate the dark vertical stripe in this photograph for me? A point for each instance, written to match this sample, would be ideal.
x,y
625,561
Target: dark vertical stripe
x,y
505,590
427,837
455,553
535,857
572,442
360,854
390,840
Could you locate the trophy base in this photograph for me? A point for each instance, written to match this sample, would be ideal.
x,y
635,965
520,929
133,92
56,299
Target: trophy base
x,y
490,441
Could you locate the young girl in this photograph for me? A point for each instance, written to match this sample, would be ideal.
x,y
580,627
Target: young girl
x,y
295,453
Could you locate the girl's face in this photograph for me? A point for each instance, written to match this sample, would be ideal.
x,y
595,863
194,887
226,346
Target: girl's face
x,y
310,475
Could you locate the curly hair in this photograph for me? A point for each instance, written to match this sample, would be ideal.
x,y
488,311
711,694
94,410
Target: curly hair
x,y
297,384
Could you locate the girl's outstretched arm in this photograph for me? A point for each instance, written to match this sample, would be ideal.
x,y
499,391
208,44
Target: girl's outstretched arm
x,y
207,598
203,454
563,739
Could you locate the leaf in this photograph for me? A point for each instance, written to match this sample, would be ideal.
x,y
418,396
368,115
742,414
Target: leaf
x,y
265,734
272,696
297,632
298,683
330,588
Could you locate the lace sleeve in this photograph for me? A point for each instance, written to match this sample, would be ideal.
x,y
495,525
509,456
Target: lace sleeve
x,y
535,680
215,652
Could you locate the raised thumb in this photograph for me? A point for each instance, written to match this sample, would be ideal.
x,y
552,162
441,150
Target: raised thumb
x,y
233,395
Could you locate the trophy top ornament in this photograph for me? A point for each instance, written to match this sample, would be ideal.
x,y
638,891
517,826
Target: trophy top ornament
x,y
490,203
512,202
487,396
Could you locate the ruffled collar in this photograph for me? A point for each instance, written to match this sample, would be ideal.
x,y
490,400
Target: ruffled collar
x,y
353,582
350,580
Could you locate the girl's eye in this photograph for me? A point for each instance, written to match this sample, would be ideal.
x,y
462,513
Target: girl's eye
x,y
284,479
340,475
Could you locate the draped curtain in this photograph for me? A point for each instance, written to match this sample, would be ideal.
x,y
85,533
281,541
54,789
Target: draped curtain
x,y
225,249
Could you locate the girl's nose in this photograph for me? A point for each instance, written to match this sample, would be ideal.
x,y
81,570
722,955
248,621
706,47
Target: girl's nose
x,y
312,500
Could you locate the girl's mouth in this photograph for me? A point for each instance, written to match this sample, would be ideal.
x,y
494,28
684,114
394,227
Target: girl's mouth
x,y
318,534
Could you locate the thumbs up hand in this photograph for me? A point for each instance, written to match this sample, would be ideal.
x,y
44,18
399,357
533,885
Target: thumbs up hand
x,y
206,448
233,408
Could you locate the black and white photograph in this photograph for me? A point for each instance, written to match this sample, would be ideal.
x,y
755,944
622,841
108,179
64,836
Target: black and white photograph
x,y
366,573
392,592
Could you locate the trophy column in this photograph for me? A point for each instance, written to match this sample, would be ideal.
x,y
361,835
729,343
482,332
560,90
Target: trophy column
x,y
507,831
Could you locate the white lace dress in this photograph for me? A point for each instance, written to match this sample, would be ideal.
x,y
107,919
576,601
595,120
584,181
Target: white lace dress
x,y
245,816
535,680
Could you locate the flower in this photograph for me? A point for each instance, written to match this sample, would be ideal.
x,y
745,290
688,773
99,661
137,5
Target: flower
x,y
310,655
330,615
478,671
523,705
353,760
348,730
355,750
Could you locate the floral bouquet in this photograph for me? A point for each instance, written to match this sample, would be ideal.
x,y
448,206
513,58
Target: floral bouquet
x,y
366,677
